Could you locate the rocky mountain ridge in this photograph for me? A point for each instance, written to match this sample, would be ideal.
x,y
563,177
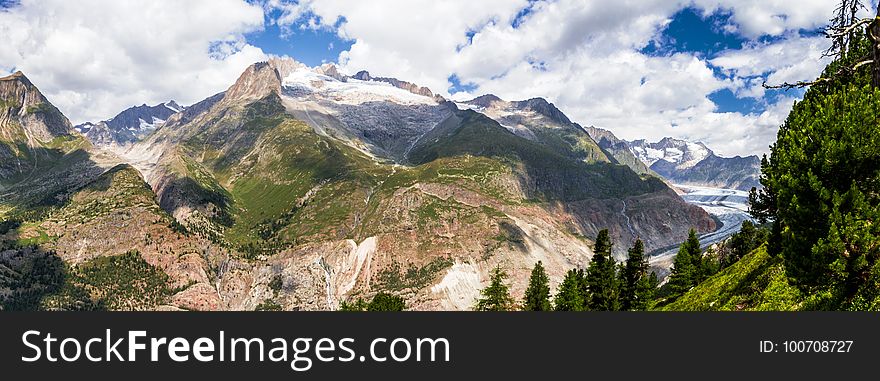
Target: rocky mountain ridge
x,y
130,125
688,163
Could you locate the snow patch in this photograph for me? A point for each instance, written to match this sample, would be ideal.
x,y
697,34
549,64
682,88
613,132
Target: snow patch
x,y
352,91
144,125
172,108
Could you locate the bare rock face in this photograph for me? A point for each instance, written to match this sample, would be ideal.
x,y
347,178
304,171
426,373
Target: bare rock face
x,y
330,71
285,65
257,81
408,86
261,79
22,104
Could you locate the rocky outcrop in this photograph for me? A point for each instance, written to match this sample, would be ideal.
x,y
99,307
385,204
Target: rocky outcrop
x,y
408,86
617,149
330,71
23,106
541,106
257,81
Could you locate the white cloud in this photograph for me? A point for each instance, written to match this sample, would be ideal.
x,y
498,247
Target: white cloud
x,y
755,18
93,59
790,60
414,40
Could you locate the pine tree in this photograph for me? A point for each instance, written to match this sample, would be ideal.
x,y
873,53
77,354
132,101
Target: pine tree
x,y
743,242
570,296
537,296
635,288
687,266
386,302
496,297
601,278
381,302
822,183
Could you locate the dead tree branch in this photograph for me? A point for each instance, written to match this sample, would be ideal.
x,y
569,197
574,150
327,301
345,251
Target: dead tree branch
x,y
850,70
840,32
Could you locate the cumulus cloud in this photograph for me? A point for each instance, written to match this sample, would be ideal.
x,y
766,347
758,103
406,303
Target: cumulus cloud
x,y
93,59
756,18
790,60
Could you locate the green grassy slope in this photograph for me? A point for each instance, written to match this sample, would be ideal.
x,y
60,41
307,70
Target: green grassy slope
x,y
272,180
549,174
757,282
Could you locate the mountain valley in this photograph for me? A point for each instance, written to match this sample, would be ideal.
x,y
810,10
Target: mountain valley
x,y
306,188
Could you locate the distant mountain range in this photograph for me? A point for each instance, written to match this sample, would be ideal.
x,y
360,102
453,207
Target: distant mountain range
x,y
130,125
304,187
688,163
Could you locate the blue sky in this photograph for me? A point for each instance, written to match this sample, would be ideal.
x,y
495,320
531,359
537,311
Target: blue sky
x,y
647,69
312,47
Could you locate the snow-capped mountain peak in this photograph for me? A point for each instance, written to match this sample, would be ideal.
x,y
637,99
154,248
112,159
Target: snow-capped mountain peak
x,y
173,106
683,154
689,163
130,125
325,81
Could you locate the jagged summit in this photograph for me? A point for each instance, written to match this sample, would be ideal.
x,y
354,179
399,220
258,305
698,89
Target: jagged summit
x,y
330,71
363,75
23,105
543,107
538,105
130,125
683,154
174,105
17,75
29,126
693,163
485,100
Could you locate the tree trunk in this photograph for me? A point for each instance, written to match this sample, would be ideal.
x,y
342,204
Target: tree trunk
x,y
874,35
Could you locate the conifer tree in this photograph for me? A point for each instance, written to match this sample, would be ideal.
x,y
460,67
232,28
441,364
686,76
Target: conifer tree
x,y
821,181
635,288
743,242
687,266
601,278
570,295
495,297
537,296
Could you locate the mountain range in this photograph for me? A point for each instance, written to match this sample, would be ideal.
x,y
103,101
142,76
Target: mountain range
x,y
305,187
130,125
688,163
